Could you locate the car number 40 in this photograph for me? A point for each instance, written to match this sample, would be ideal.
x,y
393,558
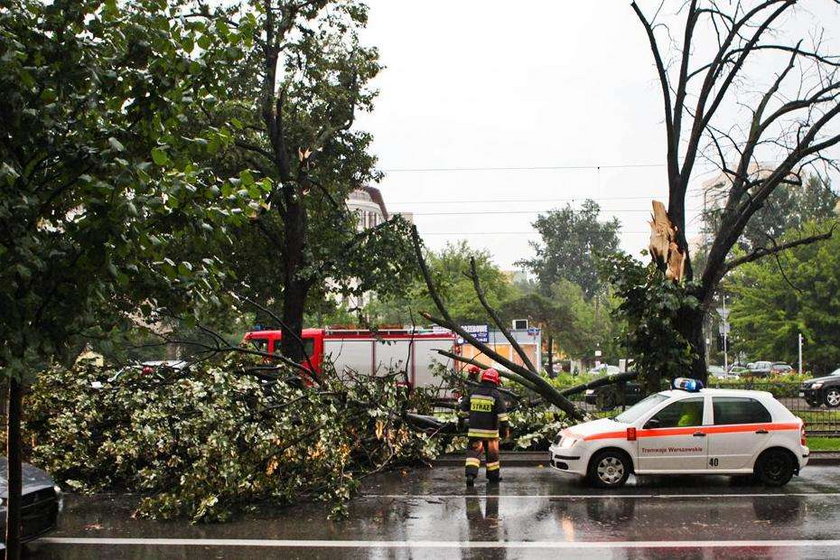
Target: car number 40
x,y
713,462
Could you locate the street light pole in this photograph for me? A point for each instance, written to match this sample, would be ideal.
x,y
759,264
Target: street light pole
x,y
800,353
725,336
724,330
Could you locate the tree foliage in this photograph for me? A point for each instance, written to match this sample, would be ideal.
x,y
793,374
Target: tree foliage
x,y
785,211
97,180
577,326
650,309
449,268
570,240
292,102
778,299
206,443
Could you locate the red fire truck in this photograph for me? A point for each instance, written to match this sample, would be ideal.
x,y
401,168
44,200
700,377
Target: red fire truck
x,y
361,351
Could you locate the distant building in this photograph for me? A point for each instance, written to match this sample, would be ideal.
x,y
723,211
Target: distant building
x,y
369,206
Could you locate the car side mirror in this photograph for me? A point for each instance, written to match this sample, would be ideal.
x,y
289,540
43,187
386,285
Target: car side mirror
x,y
652,424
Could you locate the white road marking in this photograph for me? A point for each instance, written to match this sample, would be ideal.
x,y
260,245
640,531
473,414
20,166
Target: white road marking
x,y
271,543
592,496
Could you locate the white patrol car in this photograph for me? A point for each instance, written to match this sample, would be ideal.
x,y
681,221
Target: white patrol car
x,y
689,430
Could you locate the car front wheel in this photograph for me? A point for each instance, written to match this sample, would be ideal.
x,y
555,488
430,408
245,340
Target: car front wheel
x,y
608,469
774,468
832,397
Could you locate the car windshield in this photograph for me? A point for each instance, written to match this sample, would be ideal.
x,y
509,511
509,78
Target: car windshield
x,y
640,408
835,372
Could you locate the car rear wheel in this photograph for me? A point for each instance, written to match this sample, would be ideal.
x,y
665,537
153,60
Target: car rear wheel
x,y
608,469
774,467
832,397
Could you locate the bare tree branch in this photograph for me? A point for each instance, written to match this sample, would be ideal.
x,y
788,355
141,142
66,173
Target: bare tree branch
x,y
764,251
495,316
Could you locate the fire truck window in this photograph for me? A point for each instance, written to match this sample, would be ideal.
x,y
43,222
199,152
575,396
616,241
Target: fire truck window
x,y
681,414
260,344
739,410
308,346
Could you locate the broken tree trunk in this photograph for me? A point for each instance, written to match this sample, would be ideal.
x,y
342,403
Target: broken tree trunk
x,y
663,243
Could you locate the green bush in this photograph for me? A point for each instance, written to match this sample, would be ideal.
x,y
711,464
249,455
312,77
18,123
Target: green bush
x,y
208,442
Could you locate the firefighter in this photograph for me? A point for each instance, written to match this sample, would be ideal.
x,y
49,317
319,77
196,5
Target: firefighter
x,y
473,373
487,420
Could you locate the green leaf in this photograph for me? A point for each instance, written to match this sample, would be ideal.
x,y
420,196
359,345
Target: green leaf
x,y
159,156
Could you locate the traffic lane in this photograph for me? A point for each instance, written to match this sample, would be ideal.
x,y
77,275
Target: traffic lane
x,y
400,511
436,551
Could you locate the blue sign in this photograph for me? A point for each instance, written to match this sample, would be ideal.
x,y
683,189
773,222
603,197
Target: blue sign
x,y
480,332
533,331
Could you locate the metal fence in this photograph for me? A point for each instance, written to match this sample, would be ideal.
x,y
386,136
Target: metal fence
x,y
820,419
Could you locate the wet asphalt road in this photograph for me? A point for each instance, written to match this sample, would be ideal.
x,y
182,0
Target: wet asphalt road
x,y
534,513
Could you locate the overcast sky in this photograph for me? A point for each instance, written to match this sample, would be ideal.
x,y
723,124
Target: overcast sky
x,y
552,89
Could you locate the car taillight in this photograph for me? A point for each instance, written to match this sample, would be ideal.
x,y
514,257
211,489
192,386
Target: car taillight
x,y
803,439
148,370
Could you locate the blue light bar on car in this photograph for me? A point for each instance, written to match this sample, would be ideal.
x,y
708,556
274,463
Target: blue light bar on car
x,y
686,384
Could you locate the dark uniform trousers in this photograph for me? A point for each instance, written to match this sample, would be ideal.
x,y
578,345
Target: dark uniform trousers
x,y
476,448
485,409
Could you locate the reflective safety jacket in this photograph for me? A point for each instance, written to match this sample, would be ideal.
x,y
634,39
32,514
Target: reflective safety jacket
x,y
485,409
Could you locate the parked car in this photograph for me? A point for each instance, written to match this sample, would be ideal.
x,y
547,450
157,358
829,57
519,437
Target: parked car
x,y
822,390
609,397
720,373
780,368
42,502
760,369
605,369
687,430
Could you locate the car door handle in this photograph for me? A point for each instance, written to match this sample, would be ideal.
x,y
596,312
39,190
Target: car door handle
x,y
699,434
762,432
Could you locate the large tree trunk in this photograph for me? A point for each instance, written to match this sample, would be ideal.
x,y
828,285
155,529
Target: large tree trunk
x,y
295,286
690,326
14,480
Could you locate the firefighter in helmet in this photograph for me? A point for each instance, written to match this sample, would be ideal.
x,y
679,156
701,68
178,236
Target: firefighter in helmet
x,y
487,421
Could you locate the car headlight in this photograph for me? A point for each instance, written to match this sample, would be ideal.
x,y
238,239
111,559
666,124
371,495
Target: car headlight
x,y
590,392
816,385
567,442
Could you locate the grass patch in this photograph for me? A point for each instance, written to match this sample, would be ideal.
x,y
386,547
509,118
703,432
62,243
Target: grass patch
x,y
823,444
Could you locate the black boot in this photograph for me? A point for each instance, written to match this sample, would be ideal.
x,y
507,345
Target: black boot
x,y
470,480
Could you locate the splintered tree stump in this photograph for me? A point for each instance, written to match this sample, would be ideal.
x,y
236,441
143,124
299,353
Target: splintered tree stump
x,y
663,243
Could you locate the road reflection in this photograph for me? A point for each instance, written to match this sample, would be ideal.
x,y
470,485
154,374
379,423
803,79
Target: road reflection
x,y
484,524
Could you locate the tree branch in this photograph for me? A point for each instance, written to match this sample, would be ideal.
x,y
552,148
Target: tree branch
x,y
496,319
764,251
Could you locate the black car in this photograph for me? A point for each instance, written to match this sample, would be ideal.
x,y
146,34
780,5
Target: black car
x,y
822,390
41,502
608,397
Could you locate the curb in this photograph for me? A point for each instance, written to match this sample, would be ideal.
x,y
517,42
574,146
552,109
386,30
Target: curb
x,y
537,458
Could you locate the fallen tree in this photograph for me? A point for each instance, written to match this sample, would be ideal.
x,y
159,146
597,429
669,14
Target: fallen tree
x,y
204,443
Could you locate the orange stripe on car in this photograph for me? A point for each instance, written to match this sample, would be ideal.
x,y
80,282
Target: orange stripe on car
x,y
665,432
